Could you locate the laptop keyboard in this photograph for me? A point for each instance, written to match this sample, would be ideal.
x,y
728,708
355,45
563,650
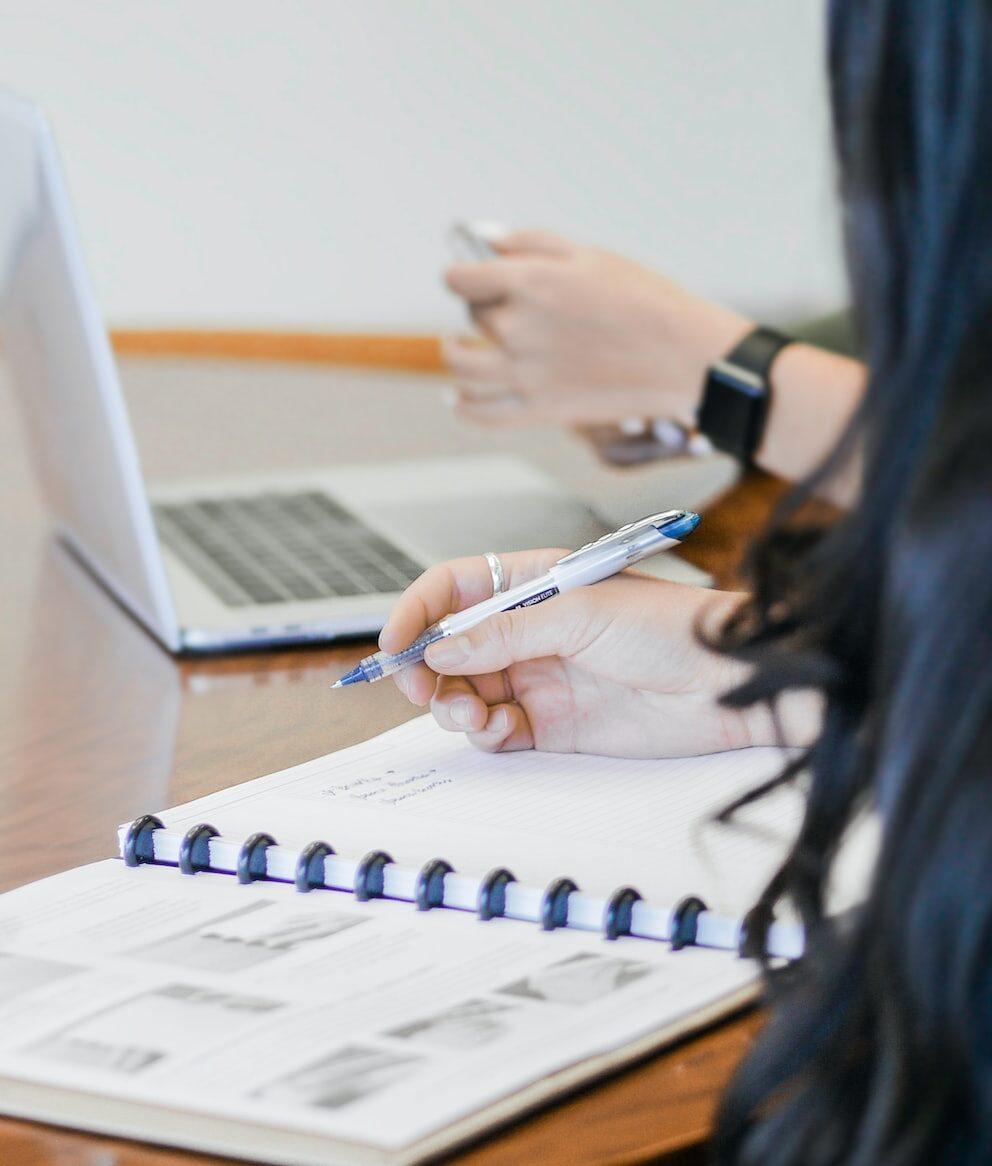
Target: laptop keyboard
x,y
279,548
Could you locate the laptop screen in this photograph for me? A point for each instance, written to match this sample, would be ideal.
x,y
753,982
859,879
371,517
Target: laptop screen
x,y
59,361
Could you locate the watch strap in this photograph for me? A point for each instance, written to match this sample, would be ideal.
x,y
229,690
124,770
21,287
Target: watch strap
x,y
757,351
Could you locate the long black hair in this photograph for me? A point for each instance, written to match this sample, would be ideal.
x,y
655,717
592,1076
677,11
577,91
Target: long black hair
x,y
879,1046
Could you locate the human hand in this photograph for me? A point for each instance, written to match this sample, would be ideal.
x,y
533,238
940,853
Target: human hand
x,y
613,669
579,336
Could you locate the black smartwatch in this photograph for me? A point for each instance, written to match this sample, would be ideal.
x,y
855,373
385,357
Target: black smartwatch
x,y
737,394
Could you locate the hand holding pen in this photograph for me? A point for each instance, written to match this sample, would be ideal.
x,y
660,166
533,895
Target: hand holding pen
x,y
593,563
614,668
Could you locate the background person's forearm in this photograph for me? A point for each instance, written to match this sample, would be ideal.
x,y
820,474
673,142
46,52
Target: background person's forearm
x,y
814,394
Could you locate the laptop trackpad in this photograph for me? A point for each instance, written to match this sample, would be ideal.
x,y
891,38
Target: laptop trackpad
x,y
436,531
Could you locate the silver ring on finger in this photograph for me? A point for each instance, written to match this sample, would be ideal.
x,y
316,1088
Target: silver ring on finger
x,y
496,570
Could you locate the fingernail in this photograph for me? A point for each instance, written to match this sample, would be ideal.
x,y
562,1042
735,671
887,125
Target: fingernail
x,y
499,722
448,653
461,712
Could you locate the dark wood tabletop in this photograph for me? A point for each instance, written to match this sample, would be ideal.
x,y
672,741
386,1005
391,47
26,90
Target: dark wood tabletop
x,y
98,725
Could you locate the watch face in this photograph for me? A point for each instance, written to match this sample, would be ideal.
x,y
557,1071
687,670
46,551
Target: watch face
x,y
733,410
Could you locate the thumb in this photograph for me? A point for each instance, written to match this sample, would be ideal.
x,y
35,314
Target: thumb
x,y
509,637
534,242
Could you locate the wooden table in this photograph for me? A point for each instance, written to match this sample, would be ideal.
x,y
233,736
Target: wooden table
x,y
97,724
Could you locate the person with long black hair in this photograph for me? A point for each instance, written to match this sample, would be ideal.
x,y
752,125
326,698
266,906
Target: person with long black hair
x,y
870,636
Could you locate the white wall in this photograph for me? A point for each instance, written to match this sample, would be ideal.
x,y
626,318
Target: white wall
x,y
296,162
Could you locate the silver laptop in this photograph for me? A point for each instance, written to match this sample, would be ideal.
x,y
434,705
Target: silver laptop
x,y
224,564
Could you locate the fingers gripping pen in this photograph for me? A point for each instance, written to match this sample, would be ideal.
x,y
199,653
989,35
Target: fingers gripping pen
x,y
592,563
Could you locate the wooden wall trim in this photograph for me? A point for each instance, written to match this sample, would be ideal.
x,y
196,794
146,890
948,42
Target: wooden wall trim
x,y
420,353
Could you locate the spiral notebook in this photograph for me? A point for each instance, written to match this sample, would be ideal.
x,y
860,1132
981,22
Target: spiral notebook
x,y
382,953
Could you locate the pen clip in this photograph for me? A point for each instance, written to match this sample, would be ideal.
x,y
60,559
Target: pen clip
x,y
626,532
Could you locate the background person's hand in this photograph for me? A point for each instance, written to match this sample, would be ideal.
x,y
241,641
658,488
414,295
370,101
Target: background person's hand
x,y
612,669
575,335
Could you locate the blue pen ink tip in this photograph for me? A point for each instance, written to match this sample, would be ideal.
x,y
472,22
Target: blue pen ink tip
x,y
682,526
355,676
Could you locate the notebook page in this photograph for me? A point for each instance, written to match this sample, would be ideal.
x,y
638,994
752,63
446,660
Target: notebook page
x,y
371,1023
420,792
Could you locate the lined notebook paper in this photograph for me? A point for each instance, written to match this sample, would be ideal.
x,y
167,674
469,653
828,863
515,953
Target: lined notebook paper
x,y
418,791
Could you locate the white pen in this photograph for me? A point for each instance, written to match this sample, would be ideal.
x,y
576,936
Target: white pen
x,y
592,563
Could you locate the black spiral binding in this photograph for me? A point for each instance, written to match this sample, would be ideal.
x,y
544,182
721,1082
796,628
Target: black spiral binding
x,y
619,911
554,904
429,891
252,862
369,877
194,850
753,933
138,846
310,866
685,919
194,856
491,903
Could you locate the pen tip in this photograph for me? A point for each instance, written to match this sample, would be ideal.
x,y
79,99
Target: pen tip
x,y
353,677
